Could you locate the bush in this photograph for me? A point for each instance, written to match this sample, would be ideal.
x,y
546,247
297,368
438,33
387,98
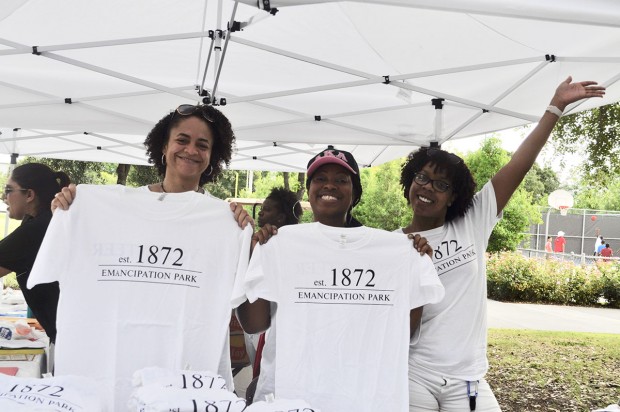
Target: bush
x,y
10,281
515,278
610,283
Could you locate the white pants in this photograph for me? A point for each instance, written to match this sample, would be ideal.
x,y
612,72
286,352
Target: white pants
x,y
430,391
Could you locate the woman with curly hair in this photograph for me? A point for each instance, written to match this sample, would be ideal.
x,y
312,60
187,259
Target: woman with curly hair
x,y
448,362
280,208
189,147
182,253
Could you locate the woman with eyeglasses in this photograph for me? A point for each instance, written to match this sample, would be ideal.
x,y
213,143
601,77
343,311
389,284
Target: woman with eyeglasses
x,y
448,363
28,193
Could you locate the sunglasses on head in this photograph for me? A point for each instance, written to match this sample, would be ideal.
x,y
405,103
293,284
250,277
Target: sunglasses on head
x,y
190,109
451,157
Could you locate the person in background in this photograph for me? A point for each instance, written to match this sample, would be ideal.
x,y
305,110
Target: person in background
x,y
560,243
280,208
549,247
600,247
597,243
28,193
448,363
607,253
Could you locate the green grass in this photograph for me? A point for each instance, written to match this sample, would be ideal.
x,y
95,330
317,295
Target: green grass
x,y
553,371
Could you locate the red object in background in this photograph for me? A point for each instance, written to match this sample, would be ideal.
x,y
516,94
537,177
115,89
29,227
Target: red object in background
x,y
9,370
593,218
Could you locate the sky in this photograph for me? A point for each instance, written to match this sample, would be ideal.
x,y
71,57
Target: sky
x,y
511,139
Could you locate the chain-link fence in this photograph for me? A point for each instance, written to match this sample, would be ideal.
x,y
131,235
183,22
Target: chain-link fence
x,y
581,227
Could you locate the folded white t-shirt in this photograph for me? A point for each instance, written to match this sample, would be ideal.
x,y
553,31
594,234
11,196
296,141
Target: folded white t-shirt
x,y
60,393
182,379
154,398
297,405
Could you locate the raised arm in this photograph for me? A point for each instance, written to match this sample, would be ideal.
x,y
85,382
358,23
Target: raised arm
x,y
508,178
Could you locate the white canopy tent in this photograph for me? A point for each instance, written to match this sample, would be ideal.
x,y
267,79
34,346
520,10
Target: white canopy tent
x,y
87,79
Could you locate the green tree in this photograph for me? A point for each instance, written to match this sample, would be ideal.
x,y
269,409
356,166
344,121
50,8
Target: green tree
x,y
79,171
230,183
383,204
604,196
519,213
142,176
595,134
539,182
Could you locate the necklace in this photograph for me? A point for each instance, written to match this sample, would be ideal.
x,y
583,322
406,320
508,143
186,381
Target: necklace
x,y
197,190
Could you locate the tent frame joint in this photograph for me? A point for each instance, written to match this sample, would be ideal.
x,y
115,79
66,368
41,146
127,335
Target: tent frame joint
x,y
438,103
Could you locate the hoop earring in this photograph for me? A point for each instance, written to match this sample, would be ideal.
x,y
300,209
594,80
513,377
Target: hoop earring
x,y
295,214
163,159
210,171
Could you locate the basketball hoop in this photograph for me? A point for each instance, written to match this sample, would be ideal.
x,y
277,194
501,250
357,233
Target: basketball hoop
x,y
561,200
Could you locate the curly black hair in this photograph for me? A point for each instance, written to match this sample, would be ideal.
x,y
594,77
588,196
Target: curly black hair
x,y
462,181
223,140
288,203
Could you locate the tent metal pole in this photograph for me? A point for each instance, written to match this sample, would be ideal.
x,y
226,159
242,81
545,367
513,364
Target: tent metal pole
x,y
14,156
221,63
23,49
306,59
118,75
47,154
498,99
468,102
438,103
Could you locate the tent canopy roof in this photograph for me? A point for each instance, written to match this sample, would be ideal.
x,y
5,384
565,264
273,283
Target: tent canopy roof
x,y
88,79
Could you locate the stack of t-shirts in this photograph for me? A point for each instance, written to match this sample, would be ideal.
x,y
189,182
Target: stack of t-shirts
x,y
7,405
181,379
65,393
162,390
281,405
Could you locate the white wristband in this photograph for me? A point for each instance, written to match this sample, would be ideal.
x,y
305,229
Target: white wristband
x,y
554,110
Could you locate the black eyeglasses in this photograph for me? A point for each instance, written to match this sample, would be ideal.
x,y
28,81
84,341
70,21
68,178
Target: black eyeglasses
x,y
438,185
451,157
190,109
9,189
